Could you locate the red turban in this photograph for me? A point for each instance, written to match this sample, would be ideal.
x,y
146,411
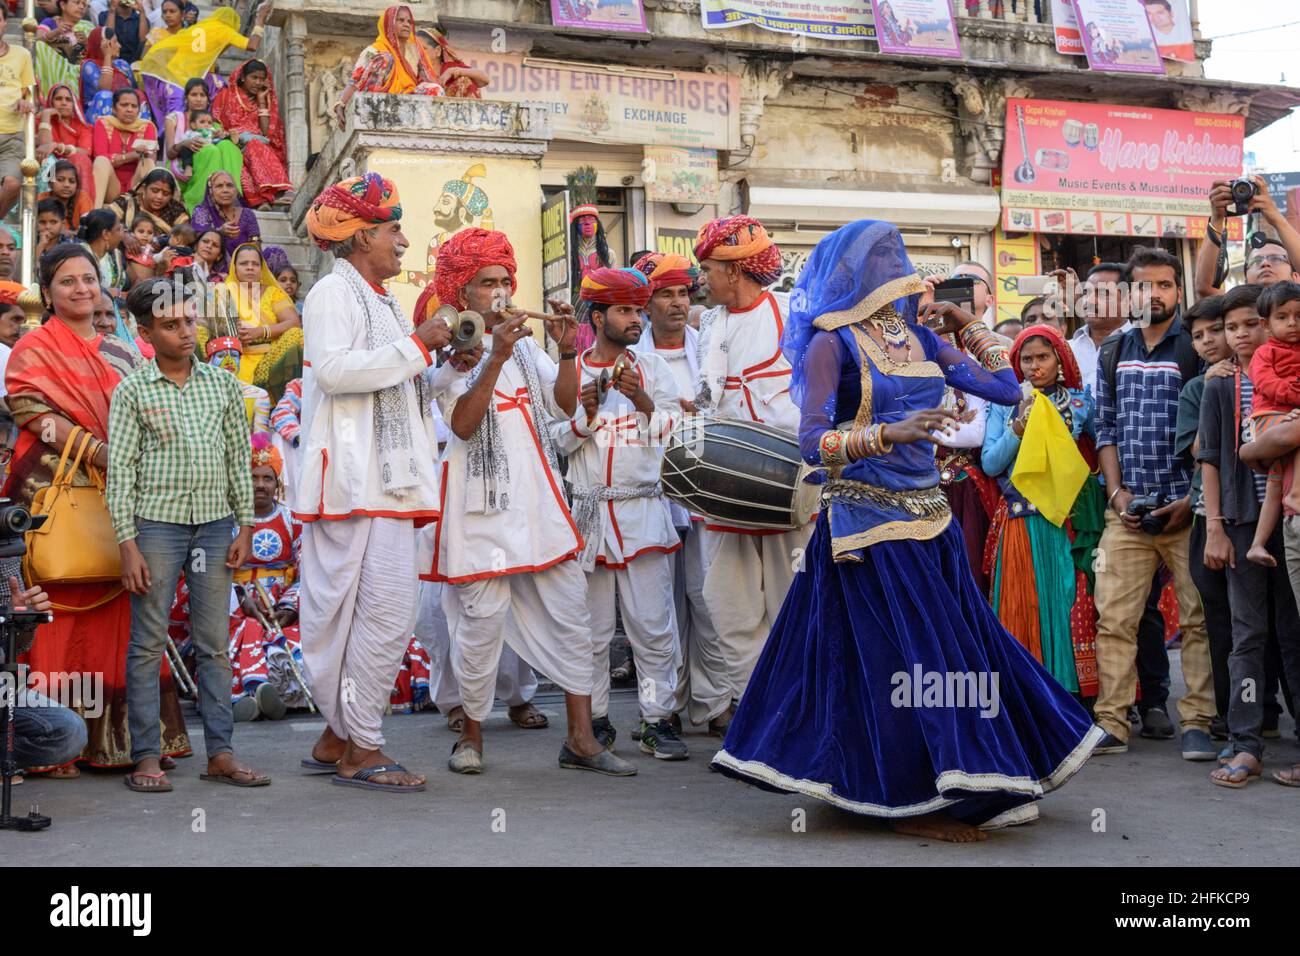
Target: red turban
x,y
1070,376
464,254
666,270
222,344
744,241
347,207
426,303
615,287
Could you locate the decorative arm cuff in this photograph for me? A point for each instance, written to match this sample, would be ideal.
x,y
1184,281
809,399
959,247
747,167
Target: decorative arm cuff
x,y
833,448
983,345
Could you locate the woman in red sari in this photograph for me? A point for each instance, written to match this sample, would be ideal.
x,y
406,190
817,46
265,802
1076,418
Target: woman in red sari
x,y
59,376
64,134
249,111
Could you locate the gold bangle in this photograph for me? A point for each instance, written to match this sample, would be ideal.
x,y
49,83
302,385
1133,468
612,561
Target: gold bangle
x,y
259,30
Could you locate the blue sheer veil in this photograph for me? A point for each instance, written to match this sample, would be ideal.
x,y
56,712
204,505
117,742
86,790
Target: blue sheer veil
x,y
852,273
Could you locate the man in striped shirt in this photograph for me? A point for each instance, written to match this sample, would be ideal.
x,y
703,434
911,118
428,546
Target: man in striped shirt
x,y
179,490
1137,414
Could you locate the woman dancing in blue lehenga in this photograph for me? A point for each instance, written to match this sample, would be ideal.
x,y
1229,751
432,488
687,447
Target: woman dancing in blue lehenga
x,y
888,686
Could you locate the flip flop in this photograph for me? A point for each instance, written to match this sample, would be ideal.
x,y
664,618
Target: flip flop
x,y
362,779
1293,782
160,775
320,766
231,781
1235,781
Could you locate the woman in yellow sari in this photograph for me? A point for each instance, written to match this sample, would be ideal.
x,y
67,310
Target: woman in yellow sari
x,y
269,325
394,63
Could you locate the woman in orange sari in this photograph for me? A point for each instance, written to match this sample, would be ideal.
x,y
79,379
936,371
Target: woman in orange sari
x,y
394,63
249,111
61,376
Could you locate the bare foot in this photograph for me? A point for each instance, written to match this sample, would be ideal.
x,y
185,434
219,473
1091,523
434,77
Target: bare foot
x,y
70,772
1259,555
528,717
147,775
355,758
939,826
1288,778
329,748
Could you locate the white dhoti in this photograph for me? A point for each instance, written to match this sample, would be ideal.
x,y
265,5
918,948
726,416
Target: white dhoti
x,y
745,585
549,627
516,682
703,682
645,592
357,611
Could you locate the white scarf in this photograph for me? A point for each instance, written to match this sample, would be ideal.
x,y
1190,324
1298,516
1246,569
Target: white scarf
x,y
399,467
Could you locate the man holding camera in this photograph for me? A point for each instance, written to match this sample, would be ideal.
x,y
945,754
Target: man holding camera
x,y
1148,519
1271,261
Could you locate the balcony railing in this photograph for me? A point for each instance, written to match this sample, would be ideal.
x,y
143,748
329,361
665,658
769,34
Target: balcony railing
x,y
1010,11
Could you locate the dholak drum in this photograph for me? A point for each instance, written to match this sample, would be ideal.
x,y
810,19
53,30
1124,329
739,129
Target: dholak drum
x,y
739,474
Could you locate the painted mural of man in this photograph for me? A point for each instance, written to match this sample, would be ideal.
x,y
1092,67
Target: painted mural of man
x,y
460,204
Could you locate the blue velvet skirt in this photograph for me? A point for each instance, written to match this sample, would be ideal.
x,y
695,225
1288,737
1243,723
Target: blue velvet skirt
x,y
889,688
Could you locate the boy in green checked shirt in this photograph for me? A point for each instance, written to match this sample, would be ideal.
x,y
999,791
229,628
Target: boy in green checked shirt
x,y
178,486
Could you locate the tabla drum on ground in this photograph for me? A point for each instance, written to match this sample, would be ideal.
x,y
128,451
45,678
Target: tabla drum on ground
x,y
739,474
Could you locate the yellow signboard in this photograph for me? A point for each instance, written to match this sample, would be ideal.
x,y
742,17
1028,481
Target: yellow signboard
x,y
1014,255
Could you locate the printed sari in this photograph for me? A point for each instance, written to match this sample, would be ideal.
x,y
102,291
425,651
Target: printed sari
x,y
265,174
52,369
389,66
76,133
207,216
269,365
97,102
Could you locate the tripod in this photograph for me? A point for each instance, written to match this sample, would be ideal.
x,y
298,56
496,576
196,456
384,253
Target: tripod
x,y
11,623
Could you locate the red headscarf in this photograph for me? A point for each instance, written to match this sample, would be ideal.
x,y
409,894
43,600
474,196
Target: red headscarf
x,y
464,254
742,240
666,270
616,287
1064,354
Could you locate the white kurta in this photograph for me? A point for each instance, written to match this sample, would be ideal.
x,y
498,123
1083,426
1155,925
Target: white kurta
x,y
339,467
684,363
622,449
535,530
747,343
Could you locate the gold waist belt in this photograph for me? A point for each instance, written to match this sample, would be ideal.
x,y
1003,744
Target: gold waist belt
x,y
920,502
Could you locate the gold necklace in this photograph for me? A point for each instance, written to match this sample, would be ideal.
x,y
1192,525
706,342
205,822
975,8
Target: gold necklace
x,y
892,328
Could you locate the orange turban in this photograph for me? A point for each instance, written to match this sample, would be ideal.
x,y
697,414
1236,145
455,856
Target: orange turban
x,y
344,209
666,270
266,455
743,240
10,291
615,287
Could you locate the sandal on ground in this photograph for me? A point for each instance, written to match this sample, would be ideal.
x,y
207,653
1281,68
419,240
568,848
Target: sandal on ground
x,y
166,763
1238,777
362,779
229,778
163,787
528,717
1287,778
319,766
456,719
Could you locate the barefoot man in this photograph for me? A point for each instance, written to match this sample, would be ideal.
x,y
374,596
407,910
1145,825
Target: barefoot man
x,y
368,478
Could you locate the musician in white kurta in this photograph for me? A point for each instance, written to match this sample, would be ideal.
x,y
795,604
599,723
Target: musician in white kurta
x,y
505,541
703,687
368,478
615,443
744,377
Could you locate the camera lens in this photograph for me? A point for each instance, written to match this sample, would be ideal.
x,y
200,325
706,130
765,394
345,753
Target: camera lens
x,y
1243,190
15,519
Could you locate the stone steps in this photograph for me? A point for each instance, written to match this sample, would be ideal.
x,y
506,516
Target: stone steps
x,y
277,230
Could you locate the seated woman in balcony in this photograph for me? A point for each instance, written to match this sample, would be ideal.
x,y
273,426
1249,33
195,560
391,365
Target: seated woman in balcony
x,y
124,145
269,325
59,41
249,111
103,73
174,58
222,212
394,63
457,77
193,158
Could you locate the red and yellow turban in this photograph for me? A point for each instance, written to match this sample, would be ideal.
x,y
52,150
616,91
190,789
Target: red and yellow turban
x,y
744,241
615,287
344,209
464,254
266,455
223,343
666,270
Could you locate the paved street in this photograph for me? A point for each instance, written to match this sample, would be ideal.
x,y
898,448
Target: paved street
x,y
1159,810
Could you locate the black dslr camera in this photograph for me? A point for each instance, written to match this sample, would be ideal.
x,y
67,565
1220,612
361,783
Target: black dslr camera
x,y
1243,191
1143,508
